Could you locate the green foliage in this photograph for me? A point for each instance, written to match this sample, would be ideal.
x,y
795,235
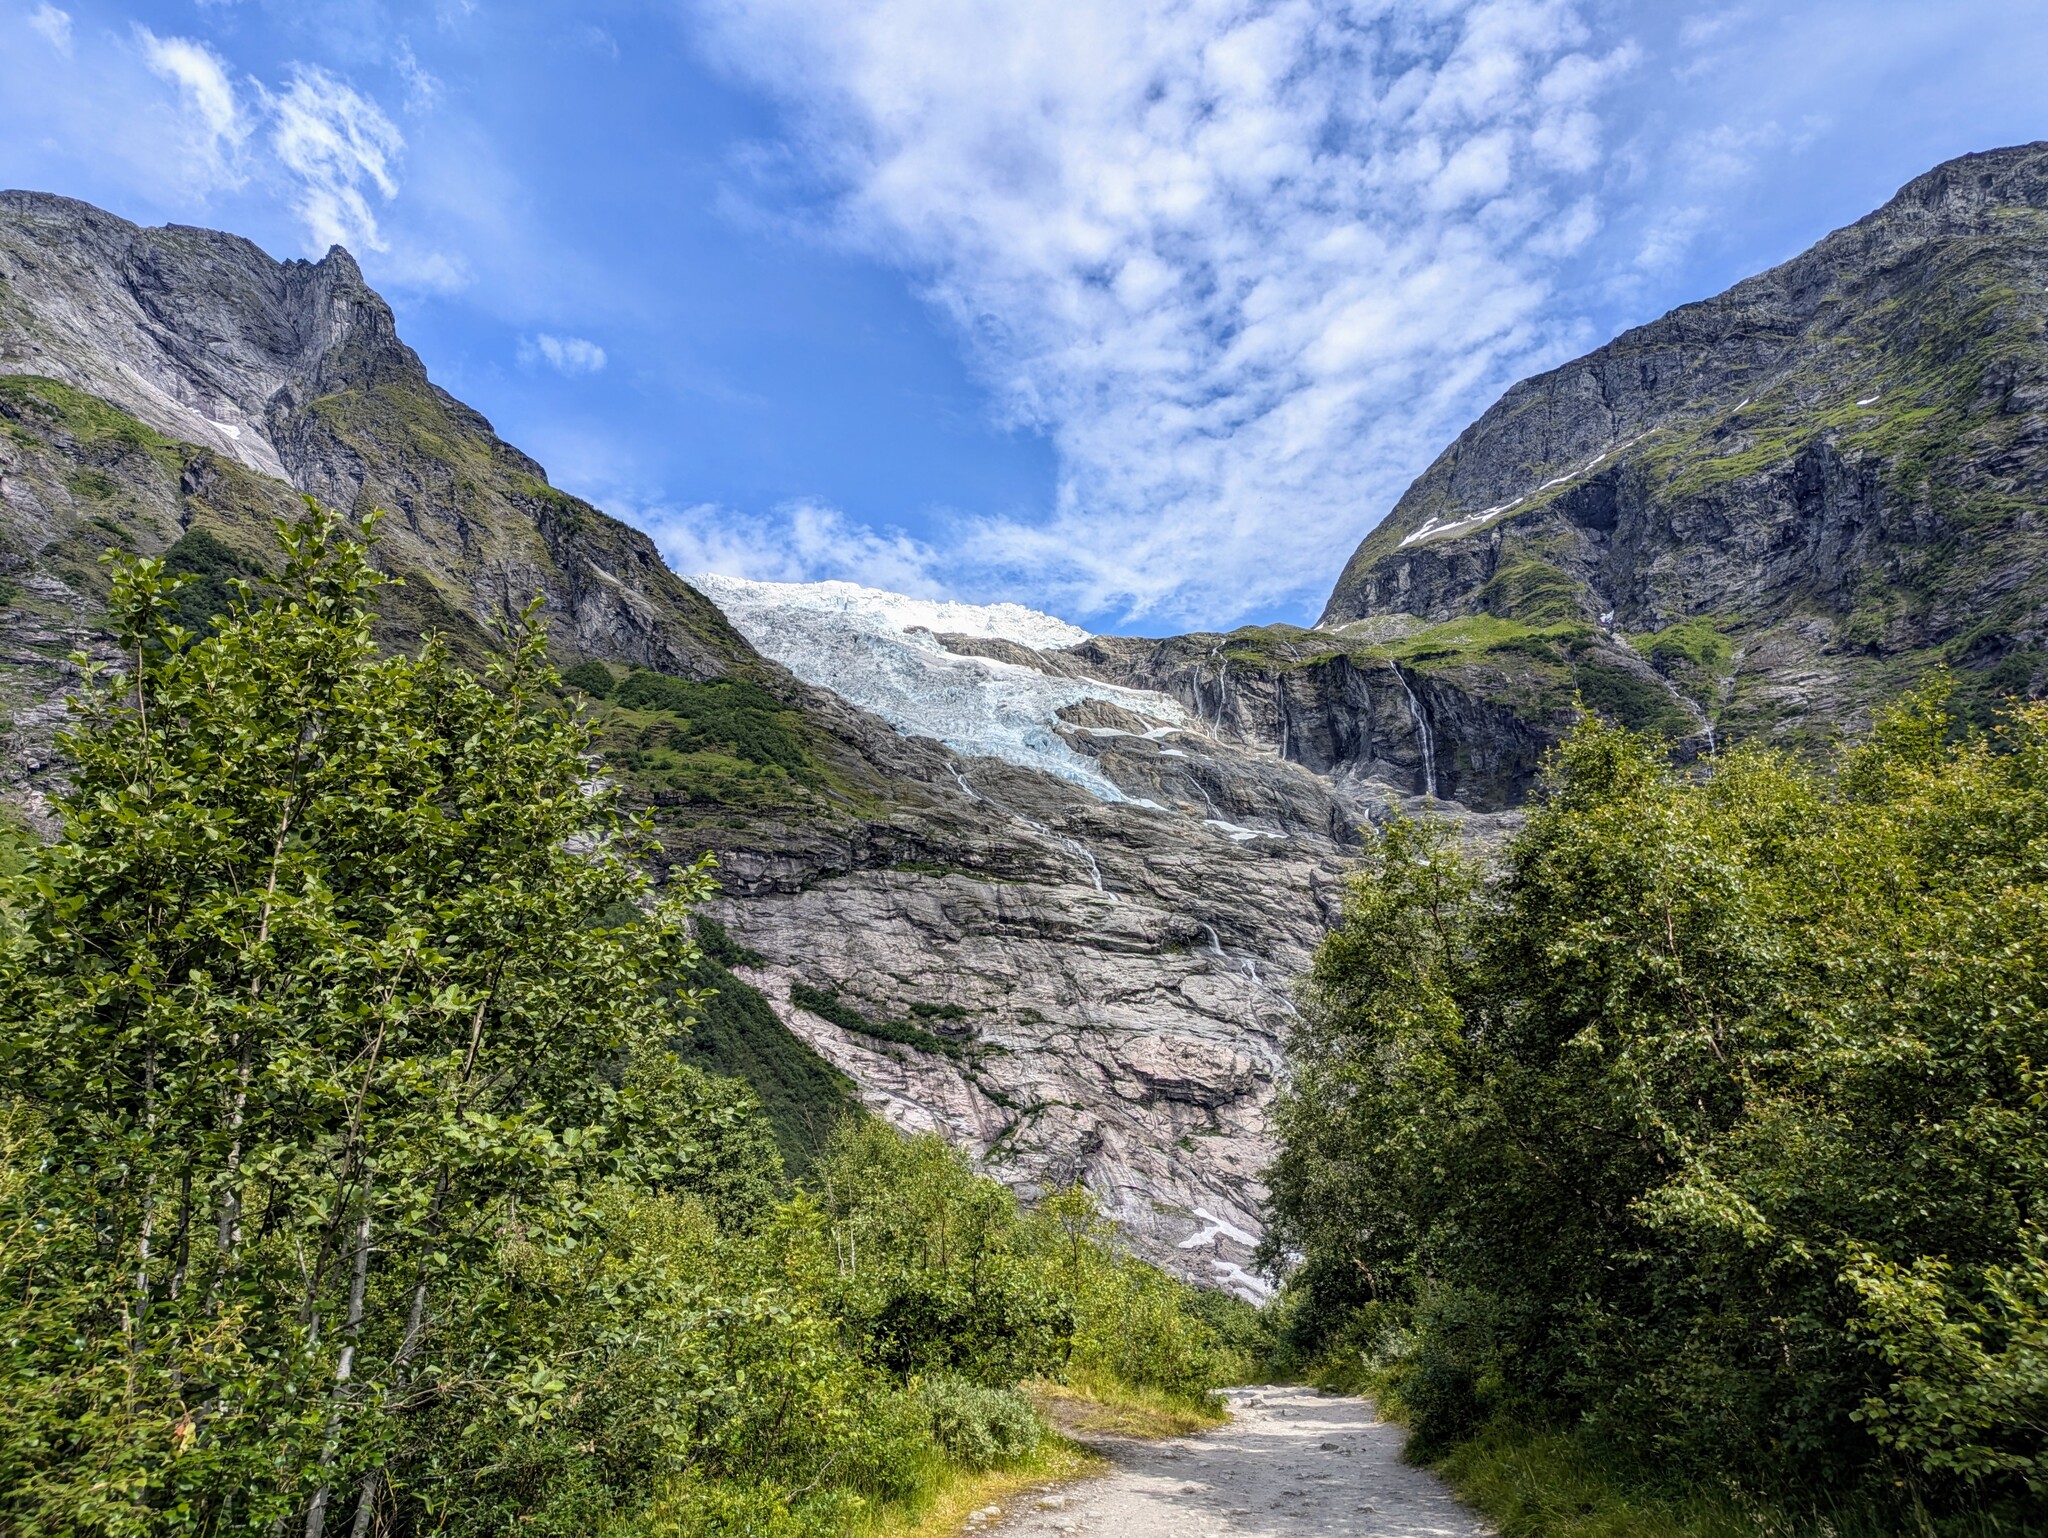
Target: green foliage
x,y
1132,1324
303,1003
590,676
1710,1127
212,569
980,1428
1534,592
1697,642
719,945
347,1178
90,422
829,1006
1629,698
938,1277
729,715
736,1033
92,485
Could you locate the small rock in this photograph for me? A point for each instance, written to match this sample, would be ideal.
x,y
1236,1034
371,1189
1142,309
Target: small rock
x,y
1052,1502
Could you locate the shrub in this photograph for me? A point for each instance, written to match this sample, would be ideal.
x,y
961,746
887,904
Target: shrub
x,y
592,677
1711,1124
983,1428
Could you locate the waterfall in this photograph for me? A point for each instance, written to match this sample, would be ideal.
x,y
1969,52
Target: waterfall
x,y
1075,847
960,779
1215,942
1202,791
1422,734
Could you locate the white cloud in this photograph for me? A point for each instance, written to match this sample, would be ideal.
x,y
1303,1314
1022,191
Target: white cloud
x,y
1247,262
423,90
341,147
212,126
564,354
54,26
801,541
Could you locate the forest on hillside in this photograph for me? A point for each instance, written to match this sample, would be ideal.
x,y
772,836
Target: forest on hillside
x,y
351,1179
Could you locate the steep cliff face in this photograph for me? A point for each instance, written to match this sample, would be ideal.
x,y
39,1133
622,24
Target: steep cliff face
x,y
1789,498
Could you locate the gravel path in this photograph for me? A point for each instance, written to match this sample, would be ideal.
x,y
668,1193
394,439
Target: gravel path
x,y
1289,1461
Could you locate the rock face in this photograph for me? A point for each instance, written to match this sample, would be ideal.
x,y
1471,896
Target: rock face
x,y
265,377
1794,496
1110,982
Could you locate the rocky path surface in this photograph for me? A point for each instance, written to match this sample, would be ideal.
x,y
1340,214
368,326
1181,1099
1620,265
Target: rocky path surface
x,y
1289,1462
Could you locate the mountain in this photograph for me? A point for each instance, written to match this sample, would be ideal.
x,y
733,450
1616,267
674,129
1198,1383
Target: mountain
x,y
1042,891
1073,980
1792,498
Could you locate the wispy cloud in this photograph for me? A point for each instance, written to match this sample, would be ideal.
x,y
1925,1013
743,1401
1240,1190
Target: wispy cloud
x,y
800,541
54,26
1245,263
212,125
341,147
564,354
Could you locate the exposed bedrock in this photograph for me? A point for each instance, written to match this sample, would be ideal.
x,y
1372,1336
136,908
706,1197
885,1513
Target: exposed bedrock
x,y
1371,732
1110,980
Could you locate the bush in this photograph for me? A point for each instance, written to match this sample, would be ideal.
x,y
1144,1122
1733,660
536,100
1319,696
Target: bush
x,y
728,715
983,1428
591,676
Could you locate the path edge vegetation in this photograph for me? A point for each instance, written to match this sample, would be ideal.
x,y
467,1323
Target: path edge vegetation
x,y
1684,1172
350,1180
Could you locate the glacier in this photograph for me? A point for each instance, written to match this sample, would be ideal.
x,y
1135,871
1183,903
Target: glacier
x,y
878,649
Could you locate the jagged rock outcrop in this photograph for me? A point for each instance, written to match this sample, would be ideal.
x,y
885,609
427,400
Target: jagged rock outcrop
x,y
1793,496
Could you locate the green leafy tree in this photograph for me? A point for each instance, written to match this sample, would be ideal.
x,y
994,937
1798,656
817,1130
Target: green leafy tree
x,y
317,996
1709,1122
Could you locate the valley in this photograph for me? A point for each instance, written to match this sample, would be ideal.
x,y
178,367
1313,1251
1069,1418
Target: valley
x,y
1194,967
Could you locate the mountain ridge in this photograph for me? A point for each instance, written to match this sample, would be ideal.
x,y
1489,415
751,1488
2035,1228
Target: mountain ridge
x,y
1829,463
1070,989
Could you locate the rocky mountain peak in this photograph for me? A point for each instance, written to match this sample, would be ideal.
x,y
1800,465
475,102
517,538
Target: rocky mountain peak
x,y
1823,470
200,334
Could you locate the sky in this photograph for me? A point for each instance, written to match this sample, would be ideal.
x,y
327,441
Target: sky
x,y
1141,312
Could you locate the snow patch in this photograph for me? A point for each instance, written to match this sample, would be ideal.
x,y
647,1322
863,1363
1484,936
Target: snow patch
x,y
1431,529
896,611
1232,1277
1215,1228
879,650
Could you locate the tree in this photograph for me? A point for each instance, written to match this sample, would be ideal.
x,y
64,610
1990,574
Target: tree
x,y
324,989
1708,1123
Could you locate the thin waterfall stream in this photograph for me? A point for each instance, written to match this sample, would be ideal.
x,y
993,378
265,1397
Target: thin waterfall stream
x,y
1423,735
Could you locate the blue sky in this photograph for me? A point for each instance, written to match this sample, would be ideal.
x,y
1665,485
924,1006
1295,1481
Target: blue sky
x,y
1142,313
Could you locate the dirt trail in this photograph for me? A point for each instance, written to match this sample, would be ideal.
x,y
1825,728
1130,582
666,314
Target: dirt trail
x,y
1289,1462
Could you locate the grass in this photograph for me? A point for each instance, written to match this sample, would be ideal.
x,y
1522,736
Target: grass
x,y
958,1492
1091,1403
91,422
1545,1484
829,1006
